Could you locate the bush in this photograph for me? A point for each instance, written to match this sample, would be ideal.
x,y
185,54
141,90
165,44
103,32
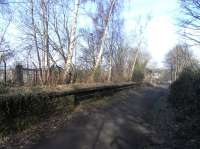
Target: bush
x,y
3,88
185,98
21,111
138,74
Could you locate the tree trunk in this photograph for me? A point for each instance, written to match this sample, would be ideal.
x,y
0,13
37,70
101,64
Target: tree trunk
x,y
110,68
72,44
36,43
101,49
171,73
46,39
134,62
5,72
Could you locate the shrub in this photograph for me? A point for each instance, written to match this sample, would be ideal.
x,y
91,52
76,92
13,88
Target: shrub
x,y
185,98
22,111
3,88
138,74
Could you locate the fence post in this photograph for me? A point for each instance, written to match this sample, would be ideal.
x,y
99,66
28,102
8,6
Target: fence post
x,y
19,80
5,72
36,76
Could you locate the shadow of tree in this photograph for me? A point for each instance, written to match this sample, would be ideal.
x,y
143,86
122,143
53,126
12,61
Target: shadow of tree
x,y
126,124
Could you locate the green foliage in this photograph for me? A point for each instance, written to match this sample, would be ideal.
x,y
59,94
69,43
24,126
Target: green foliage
x,y
185,98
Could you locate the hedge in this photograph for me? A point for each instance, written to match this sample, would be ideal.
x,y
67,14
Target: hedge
x,y
185,98
20,112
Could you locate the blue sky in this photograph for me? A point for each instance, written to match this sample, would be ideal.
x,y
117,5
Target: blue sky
x,y
161,32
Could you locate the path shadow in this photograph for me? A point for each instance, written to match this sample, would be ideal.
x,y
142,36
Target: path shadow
x,y
126,124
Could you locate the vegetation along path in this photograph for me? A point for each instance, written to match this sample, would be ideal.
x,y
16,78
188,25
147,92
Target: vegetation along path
x,y
127,123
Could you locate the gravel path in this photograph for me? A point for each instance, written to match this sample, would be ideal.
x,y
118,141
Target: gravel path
x,y
127,124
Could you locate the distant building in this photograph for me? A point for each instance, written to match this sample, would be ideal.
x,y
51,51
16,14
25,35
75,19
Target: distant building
x,y
156,76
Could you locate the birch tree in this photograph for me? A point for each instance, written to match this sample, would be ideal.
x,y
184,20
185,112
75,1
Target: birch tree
x,y
6,21
72,44
45,24
88,51
140,40
116,49
59,24
178,58
191,20
4,7
35,28
35,40
137,50
5,51
102,39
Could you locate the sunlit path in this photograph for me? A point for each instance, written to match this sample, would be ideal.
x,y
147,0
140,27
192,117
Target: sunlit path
x,y
127,124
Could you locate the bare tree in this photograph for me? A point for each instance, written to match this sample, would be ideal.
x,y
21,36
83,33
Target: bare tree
x,y
45,18
4,58
116,49
191,20
72,44
4,7
140,67
36,29
140,40
47,35
60,40
5,51
39,34
103,37
88,51
51,38
179,58
3,32
35,40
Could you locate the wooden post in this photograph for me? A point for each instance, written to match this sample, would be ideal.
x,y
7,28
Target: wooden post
x,y
76,100
36,77
5,72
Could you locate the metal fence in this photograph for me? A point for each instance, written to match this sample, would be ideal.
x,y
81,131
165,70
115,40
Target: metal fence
x,y
19,74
